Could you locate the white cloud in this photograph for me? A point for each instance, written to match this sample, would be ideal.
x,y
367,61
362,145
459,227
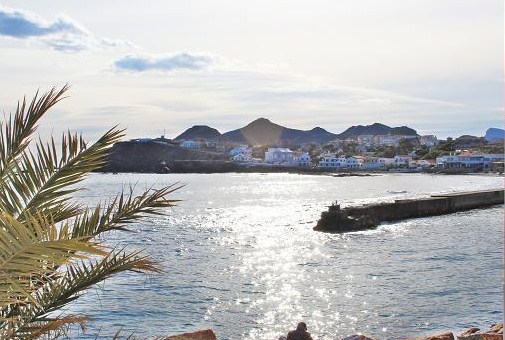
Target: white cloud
x,y
165,62
61,34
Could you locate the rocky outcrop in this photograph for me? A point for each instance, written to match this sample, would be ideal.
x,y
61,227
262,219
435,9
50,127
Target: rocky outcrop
x,y
157,157
357,337
341,220
441,336
206,334
494,333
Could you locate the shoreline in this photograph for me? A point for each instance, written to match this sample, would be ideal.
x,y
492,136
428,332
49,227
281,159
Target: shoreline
x,y
301,171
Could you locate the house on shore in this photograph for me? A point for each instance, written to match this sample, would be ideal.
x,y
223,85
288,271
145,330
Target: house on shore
x,y
472,161
302,159
279,156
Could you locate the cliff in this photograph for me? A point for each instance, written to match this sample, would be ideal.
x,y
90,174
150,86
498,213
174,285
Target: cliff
x,y
164,158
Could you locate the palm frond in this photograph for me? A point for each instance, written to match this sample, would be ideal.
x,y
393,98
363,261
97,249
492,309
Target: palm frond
x,y
15,134
122,210
55,294
30,254
52,328
43,183
48,255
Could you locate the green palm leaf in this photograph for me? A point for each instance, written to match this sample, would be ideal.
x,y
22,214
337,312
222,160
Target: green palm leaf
x,y
47,254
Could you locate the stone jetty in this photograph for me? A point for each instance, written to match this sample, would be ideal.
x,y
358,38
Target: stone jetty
x,y
369,216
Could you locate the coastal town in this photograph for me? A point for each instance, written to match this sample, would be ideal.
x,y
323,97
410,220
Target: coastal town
x,y
364,148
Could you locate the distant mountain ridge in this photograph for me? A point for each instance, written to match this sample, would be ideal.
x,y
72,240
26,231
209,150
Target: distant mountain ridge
x,y
263,132
494,134
377,129
200,132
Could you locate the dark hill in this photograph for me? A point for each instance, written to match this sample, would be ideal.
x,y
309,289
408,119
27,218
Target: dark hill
x,y
200,132
264,132
163,157
376,129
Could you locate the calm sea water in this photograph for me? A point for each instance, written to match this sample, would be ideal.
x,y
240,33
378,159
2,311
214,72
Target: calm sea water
x,y
240,257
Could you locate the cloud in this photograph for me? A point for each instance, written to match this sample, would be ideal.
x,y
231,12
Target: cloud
x,y
62,34
164,62
21,24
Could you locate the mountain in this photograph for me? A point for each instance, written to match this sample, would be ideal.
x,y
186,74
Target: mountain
x,y
376,129
494,134
200,132
264,132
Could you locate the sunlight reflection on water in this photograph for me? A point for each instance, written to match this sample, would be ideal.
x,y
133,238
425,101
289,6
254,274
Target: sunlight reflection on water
x,y
242,258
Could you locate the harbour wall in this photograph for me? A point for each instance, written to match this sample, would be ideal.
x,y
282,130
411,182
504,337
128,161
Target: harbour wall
x,y
371,215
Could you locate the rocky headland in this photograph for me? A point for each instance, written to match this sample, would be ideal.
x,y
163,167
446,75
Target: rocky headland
x,y
164,157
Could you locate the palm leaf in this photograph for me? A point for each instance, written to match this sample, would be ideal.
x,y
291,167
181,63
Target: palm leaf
x,y
44,182
16,132
30,254
122,210
77,278
47,254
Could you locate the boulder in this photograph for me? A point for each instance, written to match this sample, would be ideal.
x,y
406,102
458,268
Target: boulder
x,y
206,334
497,328
495,333
469,331
441,336
357,337
482,336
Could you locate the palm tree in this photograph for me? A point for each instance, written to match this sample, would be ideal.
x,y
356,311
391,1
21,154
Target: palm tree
x,y
50,247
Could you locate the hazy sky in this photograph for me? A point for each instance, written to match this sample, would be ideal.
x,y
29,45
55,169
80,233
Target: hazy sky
x,y
149,66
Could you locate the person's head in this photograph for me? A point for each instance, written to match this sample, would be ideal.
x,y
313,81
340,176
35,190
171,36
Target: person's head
x,y
302,326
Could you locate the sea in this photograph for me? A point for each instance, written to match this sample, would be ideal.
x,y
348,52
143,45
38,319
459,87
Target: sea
x,y
239,256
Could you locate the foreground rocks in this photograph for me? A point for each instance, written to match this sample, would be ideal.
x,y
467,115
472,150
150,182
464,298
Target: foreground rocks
x,y
474,333
206,334
441,336
494,333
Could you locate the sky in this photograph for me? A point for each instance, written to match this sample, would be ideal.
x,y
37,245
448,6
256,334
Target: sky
x,y
160,66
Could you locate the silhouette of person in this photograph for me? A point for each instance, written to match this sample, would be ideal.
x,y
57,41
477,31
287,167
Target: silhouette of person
x,y
300,333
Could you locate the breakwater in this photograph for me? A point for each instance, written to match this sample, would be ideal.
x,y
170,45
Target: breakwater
x,y
369,216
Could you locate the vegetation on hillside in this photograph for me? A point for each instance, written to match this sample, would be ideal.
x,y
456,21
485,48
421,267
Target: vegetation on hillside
x,y
51,249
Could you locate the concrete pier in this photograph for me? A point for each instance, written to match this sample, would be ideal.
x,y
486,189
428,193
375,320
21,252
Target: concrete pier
x,y
371,215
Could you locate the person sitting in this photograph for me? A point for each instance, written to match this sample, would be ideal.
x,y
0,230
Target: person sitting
x,y
300,333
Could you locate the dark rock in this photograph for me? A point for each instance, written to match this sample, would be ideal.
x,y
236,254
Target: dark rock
x,y
338,220
155,157
357,337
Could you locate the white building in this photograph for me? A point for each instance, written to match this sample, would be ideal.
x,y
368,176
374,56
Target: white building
x,y
302,159
468,160
354,162
240,149
242,158
428,140
377,163
190,144
279,156
402,160
391,140
331,160
366,140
